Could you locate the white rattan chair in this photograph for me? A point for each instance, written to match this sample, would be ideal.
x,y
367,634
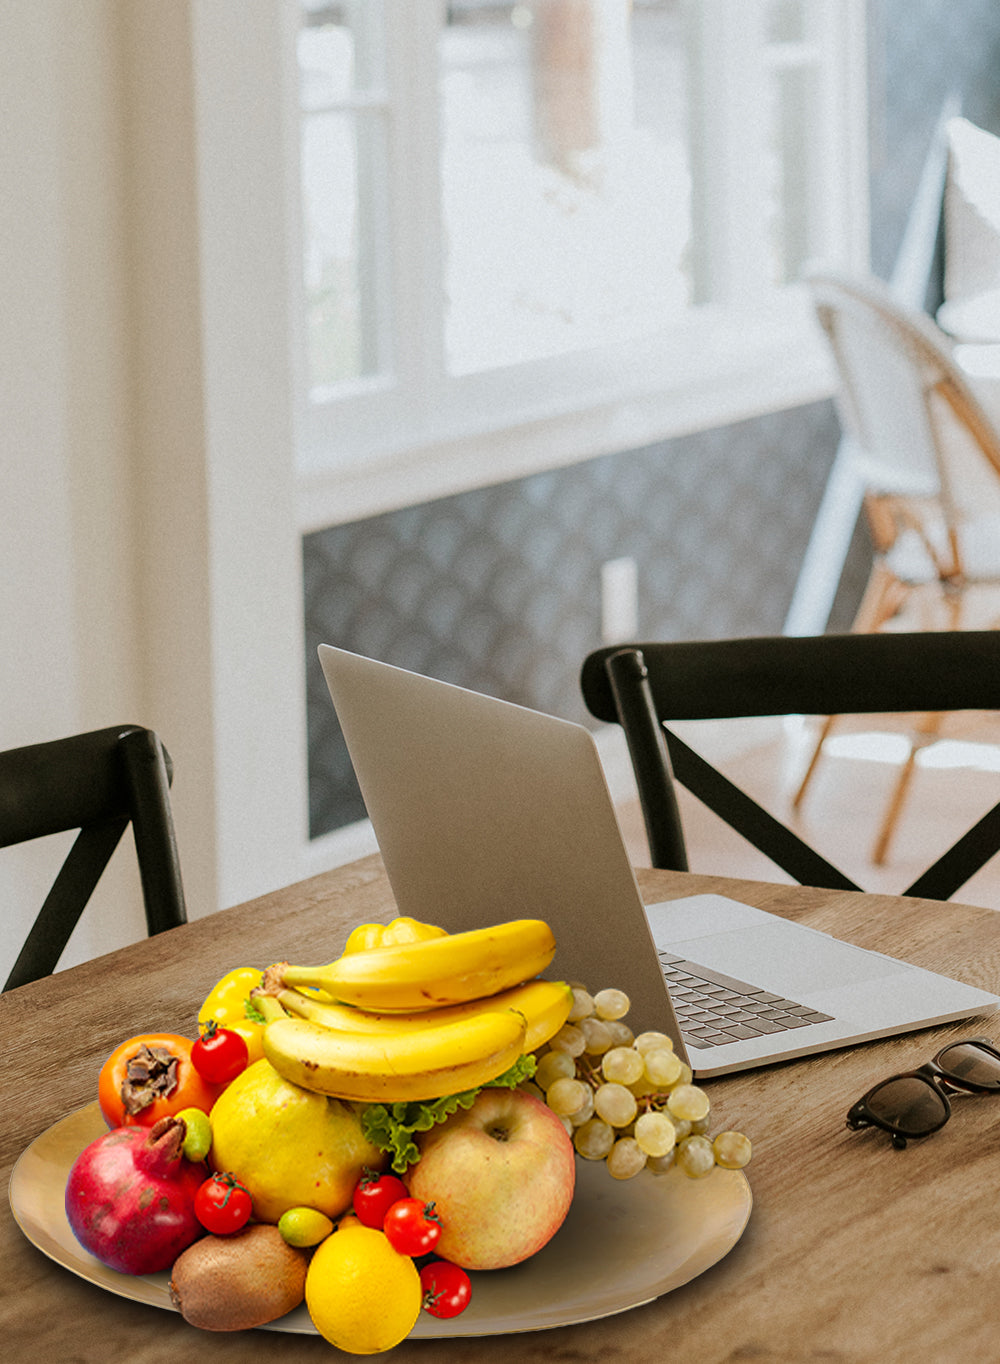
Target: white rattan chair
x,y
929,458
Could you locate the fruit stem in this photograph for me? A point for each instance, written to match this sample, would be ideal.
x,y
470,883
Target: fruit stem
x,y
268,1004
160,1153
304,975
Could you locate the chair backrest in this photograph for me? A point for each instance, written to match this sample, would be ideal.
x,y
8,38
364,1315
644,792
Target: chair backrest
x,y
642,687
98,783
902,399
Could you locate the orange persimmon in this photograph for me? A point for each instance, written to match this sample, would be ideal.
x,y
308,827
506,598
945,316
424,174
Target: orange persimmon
x,y
150,1077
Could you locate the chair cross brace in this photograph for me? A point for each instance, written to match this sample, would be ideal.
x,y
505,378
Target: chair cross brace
x,y
659,757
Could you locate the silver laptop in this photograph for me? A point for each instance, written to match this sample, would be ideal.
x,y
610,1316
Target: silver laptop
x,y
486,811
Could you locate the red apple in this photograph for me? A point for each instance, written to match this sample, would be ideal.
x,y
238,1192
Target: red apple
x,y
501,1176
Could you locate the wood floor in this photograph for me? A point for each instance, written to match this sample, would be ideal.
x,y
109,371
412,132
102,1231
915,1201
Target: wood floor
x,y
957,780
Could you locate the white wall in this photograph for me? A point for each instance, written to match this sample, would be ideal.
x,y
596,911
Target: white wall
x,y
68,656
149,557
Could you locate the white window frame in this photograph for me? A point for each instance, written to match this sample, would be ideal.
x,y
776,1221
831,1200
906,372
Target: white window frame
x,y
419,433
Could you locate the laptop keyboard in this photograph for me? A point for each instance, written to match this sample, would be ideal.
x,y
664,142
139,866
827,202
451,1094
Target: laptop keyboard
x,y
713,1009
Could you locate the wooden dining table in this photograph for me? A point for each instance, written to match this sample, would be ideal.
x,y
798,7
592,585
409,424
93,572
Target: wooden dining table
x,y
854,1251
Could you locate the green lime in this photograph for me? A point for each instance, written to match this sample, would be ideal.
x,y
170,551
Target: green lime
x,y
304,1226
198,1136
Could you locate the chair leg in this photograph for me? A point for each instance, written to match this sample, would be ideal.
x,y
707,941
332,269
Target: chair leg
x,y
824,734
927,732
883,597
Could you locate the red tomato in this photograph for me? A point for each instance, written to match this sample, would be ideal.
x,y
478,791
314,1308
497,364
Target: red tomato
x,y
374,1195
222,1205
446,1288
412,1226
151,1077
219,1054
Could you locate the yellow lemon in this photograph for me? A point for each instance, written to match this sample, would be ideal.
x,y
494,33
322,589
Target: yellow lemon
x,y
362,1295
289,1147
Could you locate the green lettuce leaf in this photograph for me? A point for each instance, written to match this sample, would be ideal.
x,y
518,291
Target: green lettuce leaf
x,y
391,1127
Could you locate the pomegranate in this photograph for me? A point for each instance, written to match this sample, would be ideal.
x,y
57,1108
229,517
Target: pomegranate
x,y
130,1197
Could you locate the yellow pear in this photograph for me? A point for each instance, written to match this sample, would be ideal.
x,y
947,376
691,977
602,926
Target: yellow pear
x,y
288,1146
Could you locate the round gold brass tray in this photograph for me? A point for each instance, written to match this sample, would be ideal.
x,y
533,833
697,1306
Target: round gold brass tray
x,y
623,1243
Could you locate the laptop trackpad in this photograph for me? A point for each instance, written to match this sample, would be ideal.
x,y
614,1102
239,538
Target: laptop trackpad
x,y
766,957
768,952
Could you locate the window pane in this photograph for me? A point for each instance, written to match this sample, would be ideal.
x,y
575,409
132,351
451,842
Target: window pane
x,y
785,21
792,112
341,340
566,187
794,65
326,60
343,158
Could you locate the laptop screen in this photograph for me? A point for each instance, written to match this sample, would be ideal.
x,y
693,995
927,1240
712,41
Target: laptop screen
x,y
486,811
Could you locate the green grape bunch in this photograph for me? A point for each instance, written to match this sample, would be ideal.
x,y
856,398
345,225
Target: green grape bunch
x,y
628,1100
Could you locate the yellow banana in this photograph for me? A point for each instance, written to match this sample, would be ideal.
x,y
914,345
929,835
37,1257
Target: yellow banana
x,y
544,1005
407,977
422,1064
366,936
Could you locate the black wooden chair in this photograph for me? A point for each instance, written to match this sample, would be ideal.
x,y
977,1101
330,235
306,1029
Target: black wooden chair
x,y
99,783
642,687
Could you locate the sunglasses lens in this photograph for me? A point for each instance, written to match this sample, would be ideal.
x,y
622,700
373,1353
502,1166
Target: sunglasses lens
x,y
971,1063
909,1105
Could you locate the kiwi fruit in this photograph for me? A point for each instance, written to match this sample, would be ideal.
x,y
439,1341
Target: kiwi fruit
x,y
236,1282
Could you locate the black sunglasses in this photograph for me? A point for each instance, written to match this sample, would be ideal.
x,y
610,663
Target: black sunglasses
x,y
915,1103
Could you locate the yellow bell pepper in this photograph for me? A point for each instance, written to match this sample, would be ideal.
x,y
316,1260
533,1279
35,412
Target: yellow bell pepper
x,y
401,930
227,1004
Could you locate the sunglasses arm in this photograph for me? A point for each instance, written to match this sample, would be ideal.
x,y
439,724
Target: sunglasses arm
x,y
857,1120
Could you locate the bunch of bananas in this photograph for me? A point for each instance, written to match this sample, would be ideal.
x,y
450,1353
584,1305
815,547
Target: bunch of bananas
x,y
413,1013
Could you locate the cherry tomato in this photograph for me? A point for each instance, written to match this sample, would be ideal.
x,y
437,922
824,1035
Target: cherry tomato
x,y
412,1226
151,1077
229,1003
374,1195
222,1205
446,1288
219,1054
